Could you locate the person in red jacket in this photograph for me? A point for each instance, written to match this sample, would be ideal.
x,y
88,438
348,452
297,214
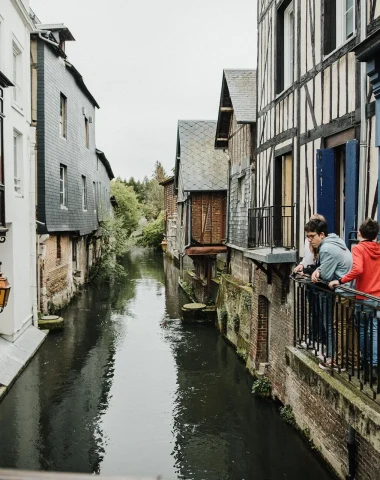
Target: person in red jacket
x,y
366,272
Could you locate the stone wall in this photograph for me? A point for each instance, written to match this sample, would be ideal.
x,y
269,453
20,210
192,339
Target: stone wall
x,y
234,304
65,263
239,266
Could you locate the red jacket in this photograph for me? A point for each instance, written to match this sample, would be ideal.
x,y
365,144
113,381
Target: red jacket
x,y
365,269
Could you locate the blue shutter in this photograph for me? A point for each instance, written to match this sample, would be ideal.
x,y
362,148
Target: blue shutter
x,y
326,186
351,188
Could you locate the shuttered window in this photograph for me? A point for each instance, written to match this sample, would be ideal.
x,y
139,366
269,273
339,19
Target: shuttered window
x,y
331,197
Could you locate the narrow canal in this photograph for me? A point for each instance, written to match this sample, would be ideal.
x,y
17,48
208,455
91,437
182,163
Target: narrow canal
x,y
127,389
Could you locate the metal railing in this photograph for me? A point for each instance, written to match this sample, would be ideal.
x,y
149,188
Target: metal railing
x,y
271,226
343,332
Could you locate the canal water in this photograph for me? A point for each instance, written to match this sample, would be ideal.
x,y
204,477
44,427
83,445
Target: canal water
x,y
127,389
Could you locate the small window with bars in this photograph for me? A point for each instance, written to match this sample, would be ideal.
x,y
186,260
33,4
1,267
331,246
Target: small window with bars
x,y
84,193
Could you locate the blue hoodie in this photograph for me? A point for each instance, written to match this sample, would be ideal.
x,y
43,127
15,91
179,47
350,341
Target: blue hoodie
x,y
334,257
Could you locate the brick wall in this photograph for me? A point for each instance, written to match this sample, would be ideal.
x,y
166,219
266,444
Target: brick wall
x,y
170,200
280,329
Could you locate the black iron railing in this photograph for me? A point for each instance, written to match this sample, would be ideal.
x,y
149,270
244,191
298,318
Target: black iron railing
x,y
339,329
271,227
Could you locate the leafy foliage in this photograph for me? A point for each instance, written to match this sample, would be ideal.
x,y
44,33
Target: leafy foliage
x,y
287,415
114,237
128,209
153,233
262,387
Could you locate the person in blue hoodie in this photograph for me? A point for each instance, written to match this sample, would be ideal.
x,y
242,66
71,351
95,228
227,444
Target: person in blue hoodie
x,y
335,260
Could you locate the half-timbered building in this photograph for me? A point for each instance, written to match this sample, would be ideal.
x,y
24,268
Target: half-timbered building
x,y
316,152
236,135
201,186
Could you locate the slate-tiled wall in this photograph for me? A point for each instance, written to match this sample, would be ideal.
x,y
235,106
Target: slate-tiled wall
x,y
54,78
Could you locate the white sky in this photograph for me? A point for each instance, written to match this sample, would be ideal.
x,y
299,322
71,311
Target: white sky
x,y
150,63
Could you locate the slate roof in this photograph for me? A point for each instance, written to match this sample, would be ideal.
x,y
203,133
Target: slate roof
x,y
203,168
242,87
238,94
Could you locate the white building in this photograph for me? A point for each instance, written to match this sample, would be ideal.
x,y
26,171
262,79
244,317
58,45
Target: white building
x,y
18,321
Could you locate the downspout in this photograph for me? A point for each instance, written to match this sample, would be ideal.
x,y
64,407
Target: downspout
x,y
228,199
363,117
351,448
188,229
32,205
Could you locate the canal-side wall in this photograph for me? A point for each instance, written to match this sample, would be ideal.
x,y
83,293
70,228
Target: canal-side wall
x,y
271,330
240,267
234,303
325,407
65,262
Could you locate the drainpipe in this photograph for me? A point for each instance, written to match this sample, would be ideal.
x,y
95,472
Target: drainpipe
x,y
351,447
32,225
228,198
363,117
188,230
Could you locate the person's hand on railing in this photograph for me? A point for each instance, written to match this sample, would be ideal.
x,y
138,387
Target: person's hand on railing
x,y
298,268
315,276
333,284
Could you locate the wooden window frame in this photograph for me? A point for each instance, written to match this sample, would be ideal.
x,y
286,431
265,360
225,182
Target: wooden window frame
x,y
63,185
84,193
86,133
63,116
284,74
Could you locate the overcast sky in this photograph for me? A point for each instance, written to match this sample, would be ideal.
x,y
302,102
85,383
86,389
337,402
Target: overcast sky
x,y
149,63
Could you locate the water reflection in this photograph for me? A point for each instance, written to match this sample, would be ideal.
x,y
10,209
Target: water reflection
x,y
128,389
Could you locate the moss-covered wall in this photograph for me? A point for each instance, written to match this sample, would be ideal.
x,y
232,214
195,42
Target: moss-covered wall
x,y
234,306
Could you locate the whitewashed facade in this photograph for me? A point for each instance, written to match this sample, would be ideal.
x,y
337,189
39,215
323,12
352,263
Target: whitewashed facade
x,y
18,251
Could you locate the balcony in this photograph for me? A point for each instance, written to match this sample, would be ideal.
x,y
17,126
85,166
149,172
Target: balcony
x,y
336,326
271,237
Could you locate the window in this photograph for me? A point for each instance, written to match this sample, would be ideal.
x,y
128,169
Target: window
x,y
17,161
59,251
63,116
16,74
285,46
74,249
94,195
241,190
337,192
339,23
84,193
63,185
283,200
87,134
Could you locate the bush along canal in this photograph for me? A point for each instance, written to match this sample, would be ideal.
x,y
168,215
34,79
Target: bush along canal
x,y
128,389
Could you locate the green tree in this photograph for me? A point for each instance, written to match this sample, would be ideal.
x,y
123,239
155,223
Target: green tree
x,y
128,208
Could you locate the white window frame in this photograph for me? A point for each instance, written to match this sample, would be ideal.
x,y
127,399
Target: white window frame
x,y
86,133
63,186
17,163
63,116
341,21
288,46
84,193
17,74
94,192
